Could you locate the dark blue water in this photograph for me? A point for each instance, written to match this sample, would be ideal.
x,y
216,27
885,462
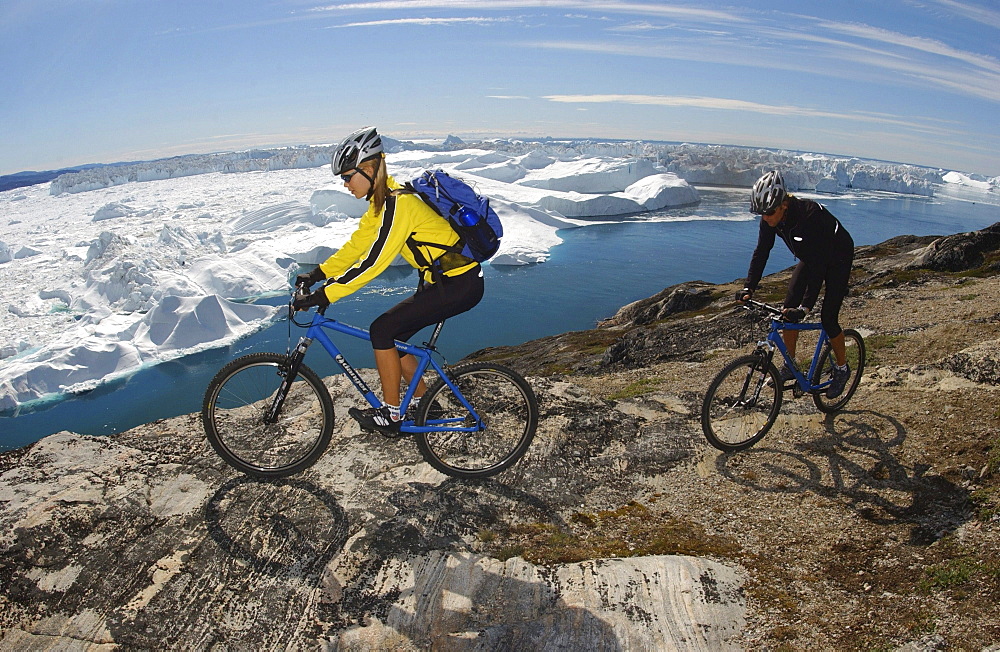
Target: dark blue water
x,y
596,270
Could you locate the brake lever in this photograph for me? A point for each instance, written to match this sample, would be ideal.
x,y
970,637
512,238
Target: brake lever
x,y
298,292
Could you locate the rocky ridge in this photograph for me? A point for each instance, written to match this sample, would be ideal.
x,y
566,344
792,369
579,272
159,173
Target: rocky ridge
x,y
874,528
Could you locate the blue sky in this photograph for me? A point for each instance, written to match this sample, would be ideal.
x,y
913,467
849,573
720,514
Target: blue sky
x,y
84,81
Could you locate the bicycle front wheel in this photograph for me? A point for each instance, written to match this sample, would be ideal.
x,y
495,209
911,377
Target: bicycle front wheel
x,y
854,346
508,410
741,404
235,411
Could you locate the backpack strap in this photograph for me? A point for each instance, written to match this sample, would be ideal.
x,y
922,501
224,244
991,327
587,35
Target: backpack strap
x,y
452,257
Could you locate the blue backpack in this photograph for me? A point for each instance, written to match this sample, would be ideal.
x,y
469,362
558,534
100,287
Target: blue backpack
x,y
468,212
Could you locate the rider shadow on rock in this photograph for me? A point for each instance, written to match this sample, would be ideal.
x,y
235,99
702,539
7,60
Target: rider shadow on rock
x,y
421,580
462,601
446,515
855,461
429,520
280,527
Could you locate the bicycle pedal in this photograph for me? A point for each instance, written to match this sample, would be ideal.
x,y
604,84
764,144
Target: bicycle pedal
x,y
791,385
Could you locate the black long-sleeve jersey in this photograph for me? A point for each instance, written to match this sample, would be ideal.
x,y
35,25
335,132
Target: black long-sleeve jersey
x,y
813,235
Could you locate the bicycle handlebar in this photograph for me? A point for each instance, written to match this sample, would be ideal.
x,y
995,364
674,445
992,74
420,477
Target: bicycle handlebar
x,y
790,315
751,304
299,290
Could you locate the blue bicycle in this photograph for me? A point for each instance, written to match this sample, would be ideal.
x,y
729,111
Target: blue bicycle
x,y
743,400
269,415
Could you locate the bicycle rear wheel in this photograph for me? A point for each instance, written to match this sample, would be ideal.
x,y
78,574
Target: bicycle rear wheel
x,y
741,404
504,401
854,345
234,416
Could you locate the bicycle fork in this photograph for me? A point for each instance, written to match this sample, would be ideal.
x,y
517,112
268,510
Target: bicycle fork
x,y
288,372
764,356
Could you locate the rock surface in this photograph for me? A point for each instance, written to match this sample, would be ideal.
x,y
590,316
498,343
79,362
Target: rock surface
x,y
877,527
147,539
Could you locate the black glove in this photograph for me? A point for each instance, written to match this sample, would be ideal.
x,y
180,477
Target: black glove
x,y
745,292
313,299
793,315
309,279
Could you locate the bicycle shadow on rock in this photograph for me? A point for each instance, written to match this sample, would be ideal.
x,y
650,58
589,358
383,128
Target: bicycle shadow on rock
x,y
854,461
422,584
413,574
446,516
287,527
246,579
449,600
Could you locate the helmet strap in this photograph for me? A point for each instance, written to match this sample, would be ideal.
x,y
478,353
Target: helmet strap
x,y
371,181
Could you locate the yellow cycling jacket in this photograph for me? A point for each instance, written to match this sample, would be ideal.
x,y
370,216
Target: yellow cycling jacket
x,y
381,236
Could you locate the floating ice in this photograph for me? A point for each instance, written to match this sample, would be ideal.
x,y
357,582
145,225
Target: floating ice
x,y
119,345
101,274
111,211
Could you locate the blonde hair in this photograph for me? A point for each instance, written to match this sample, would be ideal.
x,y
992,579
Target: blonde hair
x,y
380,189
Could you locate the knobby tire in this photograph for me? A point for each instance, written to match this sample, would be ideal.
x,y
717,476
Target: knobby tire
x,y
855,347
509,410
237,401
741,404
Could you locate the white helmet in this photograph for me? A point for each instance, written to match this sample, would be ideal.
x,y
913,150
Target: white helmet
x,y
768,193
362,145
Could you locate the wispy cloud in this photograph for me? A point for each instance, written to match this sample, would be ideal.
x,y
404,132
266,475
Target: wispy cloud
x,y
978,14
609,6
827,48
919,44
924,62
725,104
423,21
640,26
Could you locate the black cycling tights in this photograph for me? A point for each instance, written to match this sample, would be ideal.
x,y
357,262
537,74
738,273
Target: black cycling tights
x,y
836,278
429,305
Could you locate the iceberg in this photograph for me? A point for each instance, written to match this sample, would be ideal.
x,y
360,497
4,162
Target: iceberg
x,y
590,175
182,325
114,268
118,346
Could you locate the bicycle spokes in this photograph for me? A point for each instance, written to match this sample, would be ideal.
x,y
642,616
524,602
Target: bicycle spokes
x,y
483,427
741,404
265,422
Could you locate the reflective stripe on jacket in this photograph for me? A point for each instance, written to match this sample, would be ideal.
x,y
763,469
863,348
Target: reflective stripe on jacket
x,y
812,234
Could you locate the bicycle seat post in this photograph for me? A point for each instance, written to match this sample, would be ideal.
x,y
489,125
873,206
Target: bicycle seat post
x,y
434,336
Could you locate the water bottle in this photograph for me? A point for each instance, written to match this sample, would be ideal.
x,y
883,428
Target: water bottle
x,y
466,216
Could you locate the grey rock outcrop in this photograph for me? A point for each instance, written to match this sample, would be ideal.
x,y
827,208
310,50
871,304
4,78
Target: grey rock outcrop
x,y
146,540
671,301
961,251
462,602
979,363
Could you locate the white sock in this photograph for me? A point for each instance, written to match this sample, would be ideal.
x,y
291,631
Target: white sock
x,y
393,412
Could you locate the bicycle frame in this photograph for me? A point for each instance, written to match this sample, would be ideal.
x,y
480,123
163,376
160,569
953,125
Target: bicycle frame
x,y
317,332
775,341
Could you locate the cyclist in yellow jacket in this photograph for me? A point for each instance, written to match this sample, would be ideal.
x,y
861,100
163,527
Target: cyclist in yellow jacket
x,y
396,223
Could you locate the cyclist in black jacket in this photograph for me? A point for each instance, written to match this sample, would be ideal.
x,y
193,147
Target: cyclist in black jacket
x,y
825,251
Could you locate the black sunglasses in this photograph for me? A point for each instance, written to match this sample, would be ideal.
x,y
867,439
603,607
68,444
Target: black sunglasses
x,y
347,177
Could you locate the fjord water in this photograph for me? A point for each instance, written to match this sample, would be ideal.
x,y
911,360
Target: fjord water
x,y
596,270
